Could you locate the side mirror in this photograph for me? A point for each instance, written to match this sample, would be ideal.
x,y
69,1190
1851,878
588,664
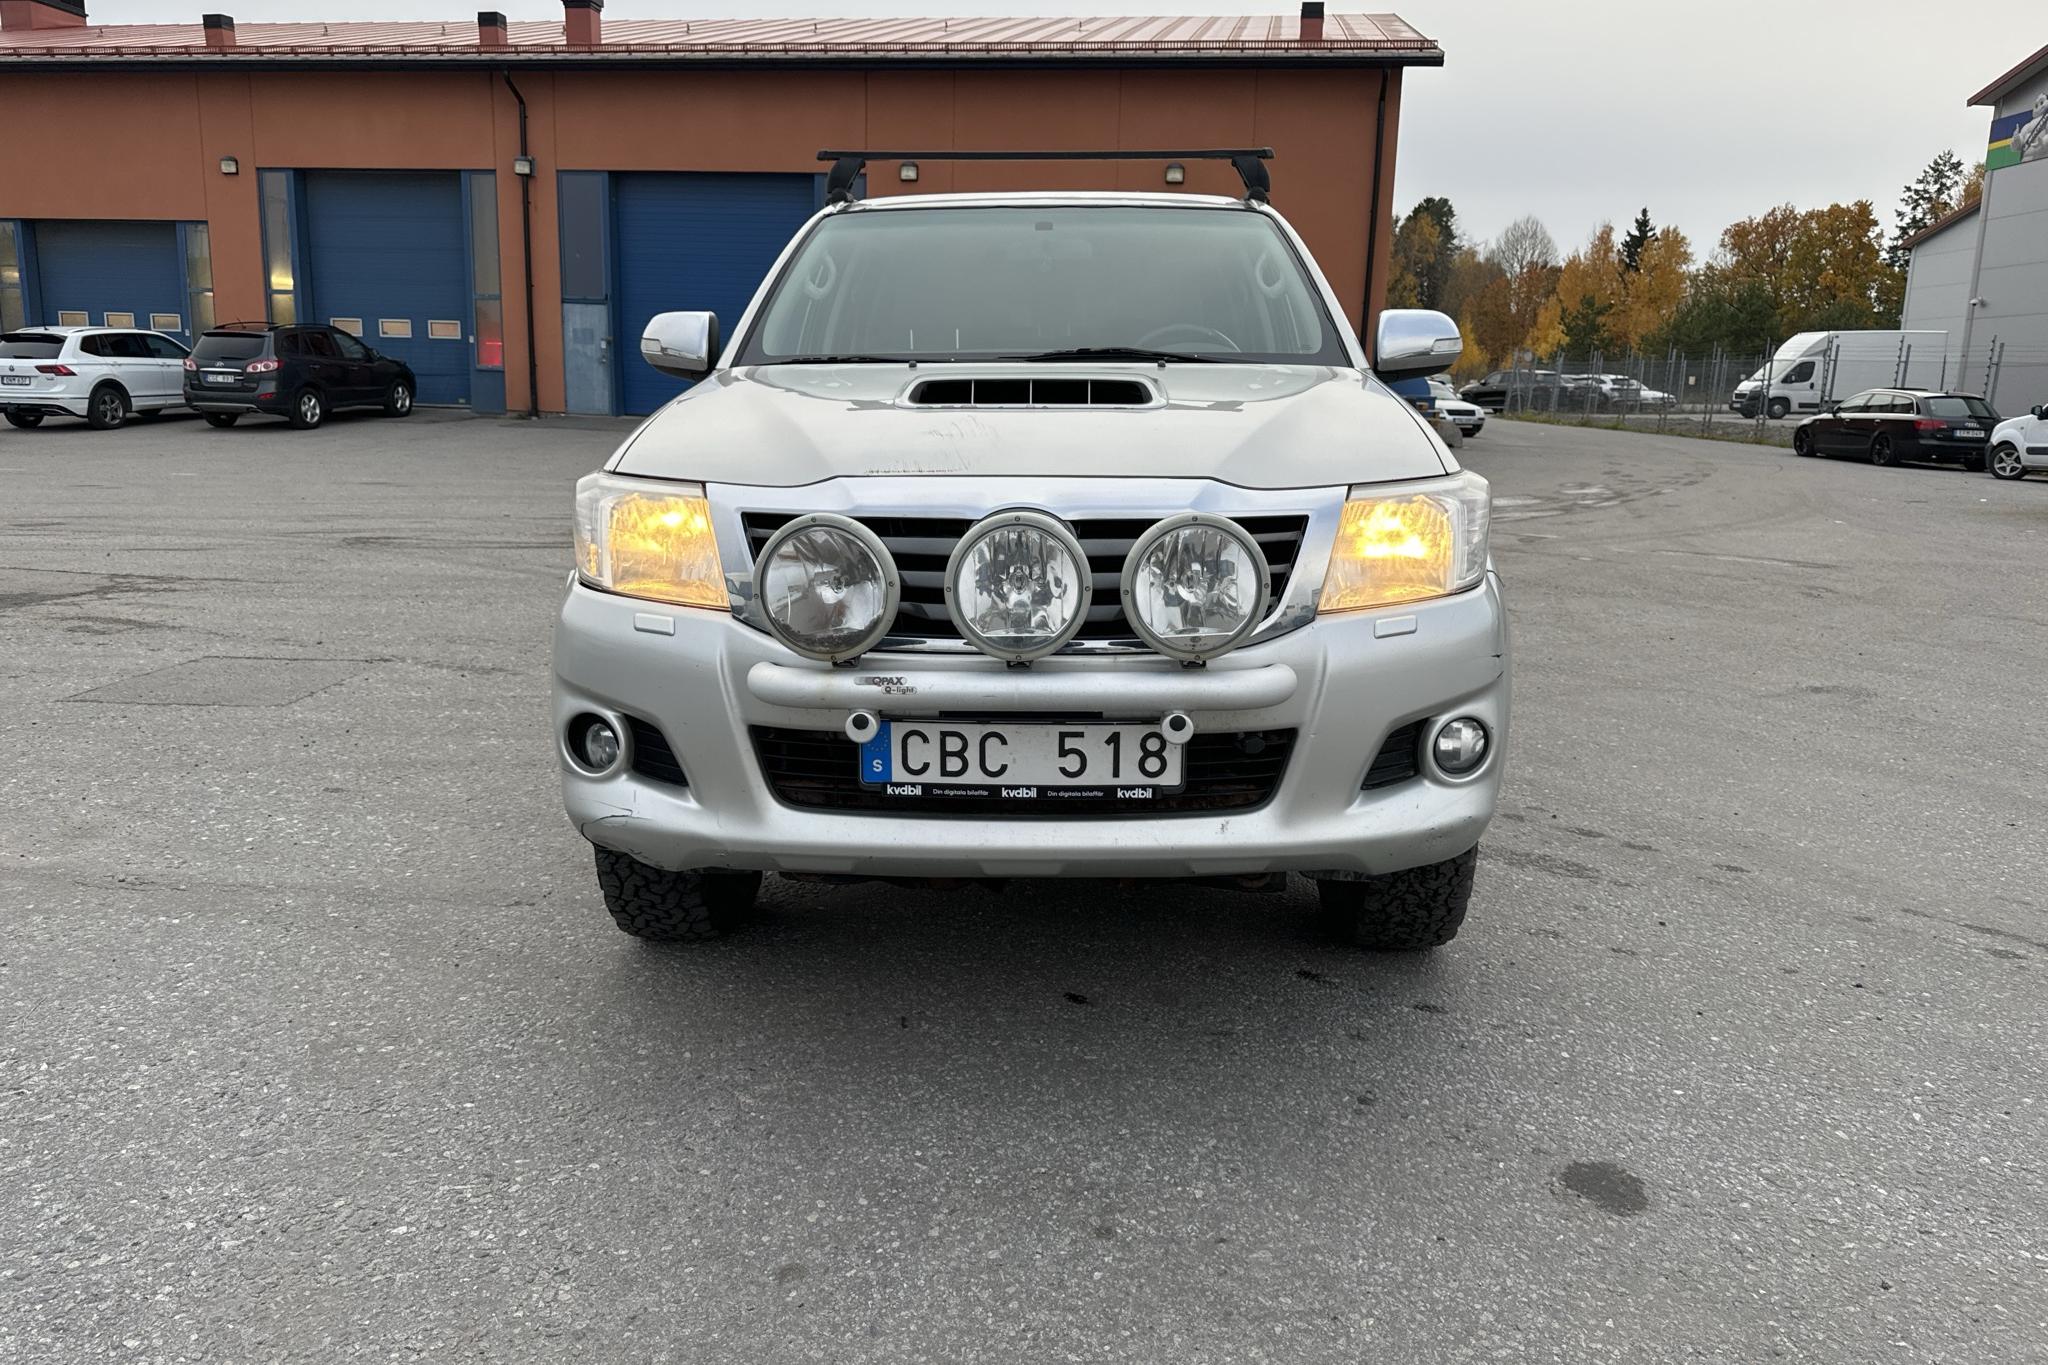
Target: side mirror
x,y
681,344
2040,409
1413,342
1831,406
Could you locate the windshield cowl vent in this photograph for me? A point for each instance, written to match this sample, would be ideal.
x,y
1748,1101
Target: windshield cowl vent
x,y
1032,393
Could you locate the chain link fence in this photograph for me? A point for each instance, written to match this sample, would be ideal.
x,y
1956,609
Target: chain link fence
x,y
1739,395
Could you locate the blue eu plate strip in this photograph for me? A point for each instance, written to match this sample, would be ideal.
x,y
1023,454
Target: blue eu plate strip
x,y
874,757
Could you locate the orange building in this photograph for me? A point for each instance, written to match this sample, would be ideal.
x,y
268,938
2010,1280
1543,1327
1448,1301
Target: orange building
x,y
503,204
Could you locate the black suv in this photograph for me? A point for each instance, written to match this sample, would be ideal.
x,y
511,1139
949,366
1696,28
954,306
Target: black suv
x,y
300,373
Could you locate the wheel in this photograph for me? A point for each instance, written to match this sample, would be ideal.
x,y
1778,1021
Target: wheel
x,y
1802,442
673,907
222,419
1881,451
107,408
1778,409
309,409
398,402
1403,911
25,420
2005,462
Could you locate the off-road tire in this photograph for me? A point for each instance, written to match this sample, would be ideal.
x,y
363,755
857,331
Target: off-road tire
x,y
398,402
25,420
2005,463
221,419
308,410
1778,410
107,408
1881,452
673,907
1409,911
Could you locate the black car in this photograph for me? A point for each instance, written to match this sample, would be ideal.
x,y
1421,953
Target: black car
x,y
1889,426
300,373
1506,390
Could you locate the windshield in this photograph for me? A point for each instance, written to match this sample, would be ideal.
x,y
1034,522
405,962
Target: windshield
x,y
230,346
1961,407
1004,282
30,346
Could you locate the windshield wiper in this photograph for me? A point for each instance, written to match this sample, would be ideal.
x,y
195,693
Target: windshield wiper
x,y
843,360
1109,353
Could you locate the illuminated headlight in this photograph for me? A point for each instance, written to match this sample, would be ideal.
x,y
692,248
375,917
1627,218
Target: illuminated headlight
x,y
1195,586
648,538
1018,585
1407,543
828,586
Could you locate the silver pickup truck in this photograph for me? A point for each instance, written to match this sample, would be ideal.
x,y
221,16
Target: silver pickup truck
x,y
1036,535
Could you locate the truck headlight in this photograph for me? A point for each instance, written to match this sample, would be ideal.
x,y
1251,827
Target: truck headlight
x,y
648,538
828,585
1195,585
1407,543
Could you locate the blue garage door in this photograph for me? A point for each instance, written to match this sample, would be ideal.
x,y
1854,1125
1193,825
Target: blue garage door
x,y
387,248
696,242
88,270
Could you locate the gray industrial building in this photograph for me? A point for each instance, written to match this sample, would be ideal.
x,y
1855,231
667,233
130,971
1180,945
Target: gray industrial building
x,y
1981,274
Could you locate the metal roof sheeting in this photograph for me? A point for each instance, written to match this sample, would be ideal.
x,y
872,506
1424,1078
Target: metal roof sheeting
x,y
1379,37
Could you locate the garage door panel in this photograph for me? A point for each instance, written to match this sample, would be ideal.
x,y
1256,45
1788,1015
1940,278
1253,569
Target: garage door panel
x,y
389,248
695,242
97,268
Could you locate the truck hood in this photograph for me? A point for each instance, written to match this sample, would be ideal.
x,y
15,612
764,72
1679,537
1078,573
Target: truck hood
x,y
1255,426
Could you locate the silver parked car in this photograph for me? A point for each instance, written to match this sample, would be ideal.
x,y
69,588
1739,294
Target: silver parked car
x,y
1036,535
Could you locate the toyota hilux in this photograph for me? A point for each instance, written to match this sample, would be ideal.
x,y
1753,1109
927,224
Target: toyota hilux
x,y
1036,535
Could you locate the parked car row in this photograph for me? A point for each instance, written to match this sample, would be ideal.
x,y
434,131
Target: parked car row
x,y
1552,391
105,375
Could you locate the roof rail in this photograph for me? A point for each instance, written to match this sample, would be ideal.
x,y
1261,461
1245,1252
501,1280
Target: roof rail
x,y
1248,161
239,326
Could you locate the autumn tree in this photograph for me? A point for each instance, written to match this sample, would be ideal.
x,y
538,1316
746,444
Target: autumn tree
x,y
1820,261
1416,243
1654,291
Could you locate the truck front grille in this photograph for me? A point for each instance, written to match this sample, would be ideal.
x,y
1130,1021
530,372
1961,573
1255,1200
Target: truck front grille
x,y
921,546
819,770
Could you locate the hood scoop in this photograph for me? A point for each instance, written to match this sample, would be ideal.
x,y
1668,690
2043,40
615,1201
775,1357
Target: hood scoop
x,y
1032,392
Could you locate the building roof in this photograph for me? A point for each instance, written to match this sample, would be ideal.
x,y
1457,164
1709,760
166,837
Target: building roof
x,y
1941,224
2019,75
1348,39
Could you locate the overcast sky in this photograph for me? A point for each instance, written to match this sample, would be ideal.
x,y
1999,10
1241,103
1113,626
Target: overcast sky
x,y
1575,110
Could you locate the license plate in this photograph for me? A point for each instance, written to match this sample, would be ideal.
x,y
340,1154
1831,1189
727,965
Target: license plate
x,y
219,377
1019,762
13,379
1969,433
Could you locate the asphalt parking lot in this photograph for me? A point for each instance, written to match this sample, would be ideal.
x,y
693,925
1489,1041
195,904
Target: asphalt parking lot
x,y
316,1042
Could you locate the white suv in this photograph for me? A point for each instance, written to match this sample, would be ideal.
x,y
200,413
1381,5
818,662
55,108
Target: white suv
x,y
1041,535
99,373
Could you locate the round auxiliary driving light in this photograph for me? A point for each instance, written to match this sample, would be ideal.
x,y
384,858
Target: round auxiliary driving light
x,y
594,744
1195,586
827,586
1018,585
1459,747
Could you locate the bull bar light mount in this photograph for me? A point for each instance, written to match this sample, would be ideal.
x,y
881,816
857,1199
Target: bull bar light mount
x,y
1249,163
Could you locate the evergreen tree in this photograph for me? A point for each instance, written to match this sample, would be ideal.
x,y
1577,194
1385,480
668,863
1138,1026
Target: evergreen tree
x,y
1639,237
1937,191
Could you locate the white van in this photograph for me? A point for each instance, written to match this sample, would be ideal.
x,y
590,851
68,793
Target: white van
x,y
1813,367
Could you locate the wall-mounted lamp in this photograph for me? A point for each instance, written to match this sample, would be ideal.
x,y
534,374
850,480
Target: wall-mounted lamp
x,y
522,165
908,171
230,166
1176,174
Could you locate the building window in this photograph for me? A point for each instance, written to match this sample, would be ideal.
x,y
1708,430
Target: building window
x,y
199,276
13,291
485,284
280,280
582,195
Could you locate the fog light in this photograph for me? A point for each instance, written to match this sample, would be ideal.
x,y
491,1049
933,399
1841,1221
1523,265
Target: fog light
x,y
598,744
1460,747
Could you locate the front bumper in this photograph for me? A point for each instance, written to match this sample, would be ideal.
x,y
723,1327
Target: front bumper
x,y
1343,683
